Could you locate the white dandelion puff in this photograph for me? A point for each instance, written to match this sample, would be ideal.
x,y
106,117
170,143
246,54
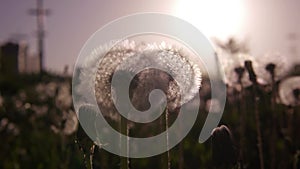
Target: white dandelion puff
x,y
234,69
272,64
63,99
187,74
130,57
289,91
71,122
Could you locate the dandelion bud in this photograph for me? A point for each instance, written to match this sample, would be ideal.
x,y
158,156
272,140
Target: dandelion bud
x,y
224,152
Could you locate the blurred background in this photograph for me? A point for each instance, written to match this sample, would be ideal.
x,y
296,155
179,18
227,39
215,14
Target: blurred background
x,y
257,45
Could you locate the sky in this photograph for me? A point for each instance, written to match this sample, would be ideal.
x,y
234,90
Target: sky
x,y
264,24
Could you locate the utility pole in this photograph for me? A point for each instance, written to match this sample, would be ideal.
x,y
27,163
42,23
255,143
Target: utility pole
x,y
40,13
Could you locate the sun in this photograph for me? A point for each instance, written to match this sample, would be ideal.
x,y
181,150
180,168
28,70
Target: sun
x,y
215,18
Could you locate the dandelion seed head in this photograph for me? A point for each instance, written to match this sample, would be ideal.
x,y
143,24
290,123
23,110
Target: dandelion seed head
x,y
63,99
71,122
162,56
289,91
233,67
272,62
128,56
3,123
40,110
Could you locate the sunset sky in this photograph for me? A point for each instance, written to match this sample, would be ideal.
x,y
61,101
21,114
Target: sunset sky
x,y
264,24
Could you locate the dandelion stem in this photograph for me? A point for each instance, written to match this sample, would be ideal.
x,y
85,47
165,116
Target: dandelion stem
x,y
240,73
92,150
271,69
259,135
181,158
165,158
124,143
242,126
167,138
181,147
252,77
81,148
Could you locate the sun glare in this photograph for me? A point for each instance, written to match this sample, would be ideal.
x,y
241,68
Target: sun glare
x,y
214,18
